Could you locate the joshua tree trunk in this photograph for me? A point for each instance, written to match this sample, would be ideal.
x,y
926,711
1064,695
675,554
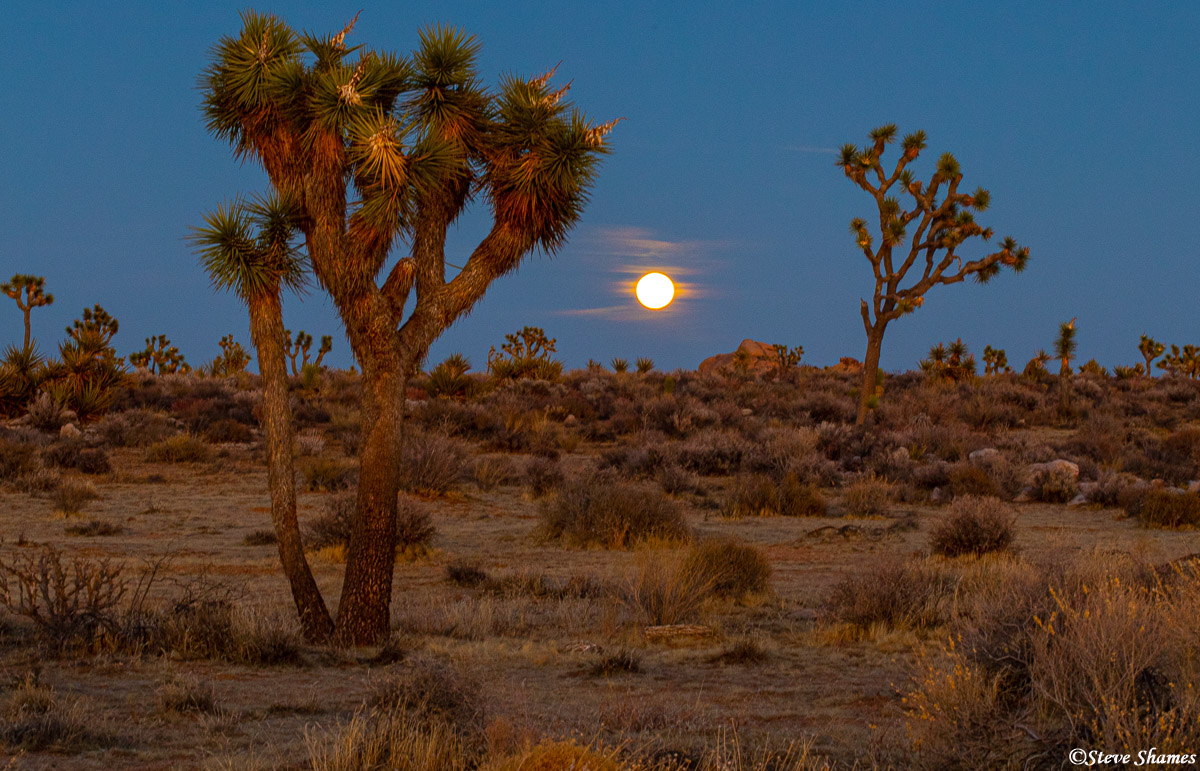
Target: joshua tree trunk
x,y
870,370
364,612
26,312
266,328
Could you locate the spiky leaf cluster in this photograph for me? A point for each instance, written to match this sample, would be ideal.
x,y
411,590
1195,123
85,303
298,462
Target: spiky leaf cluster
x,y
995,361
249,247
951,362
160,357
28,291
1182,362
233,359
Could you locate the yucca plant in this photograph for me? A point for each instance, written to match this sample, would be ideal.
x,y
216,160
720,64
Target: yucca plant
x,y
619,365
1150,349
953,362
1064,347
248,247
926,235
644,365
88,371
29,292
449,379
1035,369
21,373
376,149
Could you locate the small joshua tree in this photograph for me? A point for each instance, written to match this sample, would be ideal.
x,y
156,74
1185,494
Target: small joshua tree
x,y
232,361
525,354
1035,369
301,347
786,359
995,361
1064,347
949,362
926,236
88,370
29,293
159,357
1182,363
1150,349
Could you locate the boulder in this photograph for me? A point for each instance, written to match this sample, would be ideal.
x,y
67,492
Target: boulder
x,y
985,456
759,357
846,364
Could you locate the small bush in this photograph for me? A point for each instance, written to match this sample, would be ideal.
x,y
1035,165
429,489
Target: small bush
x,y
542,475
96,527
430,463
490,473
414,525
1166,509
436,692
226,430
36,721
968,479
899,595
16,459
760,495
1054,484
620,663
602,510
868,497
745,651
181,448
260,538
135,428
327,474
973,526
182,696
662,592
732,569
71,496
466,574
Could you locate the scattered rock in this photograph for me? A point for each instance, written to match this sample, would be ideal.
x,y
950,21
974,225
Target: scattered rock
x,y
759,359
1078,500
938,496
571,420
984,456
1194,486
70,431
1025,496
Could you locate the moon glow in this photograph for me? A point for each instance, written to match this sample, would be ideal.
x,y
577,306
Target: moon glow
x,y
655,291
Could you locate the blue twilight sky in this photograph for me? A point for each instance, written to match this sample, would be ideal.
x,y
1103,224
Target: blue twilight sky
x,y
1081,118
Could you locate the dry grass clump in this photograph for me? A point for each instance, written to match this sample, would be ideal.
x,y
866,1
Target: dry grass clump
x,y
437,692
74,454
663,592
136,428
868,497
35,720
1166,509
969,479
760,495
542,475
743,652
1054,484
913,595
430,463
731,569
602,510
17,459
973,526
181,448
93,528
72,495
260,538
551,755
622,662
187,695
490,473
391,740
1062,657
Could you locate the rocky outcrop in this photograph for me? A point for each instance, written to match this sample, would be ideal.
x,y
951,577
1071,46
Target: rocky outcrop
x,y
759,359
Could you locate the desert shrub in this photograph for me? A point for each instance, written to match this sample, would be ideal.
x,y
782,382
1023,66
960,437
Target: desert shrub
x,y
731,568
226,430
663,591
899,595
38,482
182,696
437,692
1054,484
973,525
1114,488
205,624
466,574
69,602
72,495
968,479
490,473
92,528
744,651
260,538
600,509
135,428
711,453
551,755
328,474
868,497
430,463
622,662
675,480
542,475
37,720
181,448
16,459
414,524
1166,509
760,495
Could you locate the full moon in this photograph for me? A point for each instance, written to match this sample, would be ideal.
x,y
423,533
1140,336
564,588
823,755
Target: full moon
x,y
655,290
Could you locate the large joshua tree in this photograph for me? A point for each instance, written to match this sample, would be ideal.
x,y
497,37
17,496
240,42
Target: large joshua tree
x,y
926,235
380,152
